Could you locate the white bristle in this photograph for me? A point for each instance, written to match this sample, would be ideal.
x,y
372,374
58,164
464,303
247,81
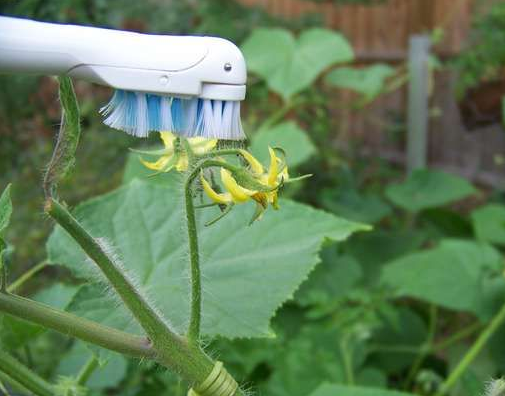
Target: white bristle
x,y
166,114
138,114
141,128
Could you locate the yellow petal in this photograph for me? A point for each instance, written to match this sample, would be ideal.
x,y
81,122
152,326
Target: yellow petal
x,y
253,162
213,195
273,170
238,193
201,145
158,165
168,139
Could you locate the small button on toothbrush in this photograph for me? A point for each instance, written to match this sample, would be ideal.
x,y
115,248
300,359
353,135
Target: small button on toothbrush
x,y
189,85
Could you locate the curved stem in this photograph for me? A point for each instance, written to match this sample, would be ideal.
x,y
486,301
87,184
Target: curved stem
x,y
75,326
16,285
472,353
24,376
194,258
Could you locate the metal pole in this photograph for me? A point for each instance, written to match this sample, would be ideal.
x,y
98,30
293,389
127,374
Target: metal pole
x,y
419,74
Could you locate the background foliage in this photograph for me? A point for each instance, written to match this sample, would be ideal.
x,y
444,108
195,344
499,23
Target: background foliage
x,y
388,312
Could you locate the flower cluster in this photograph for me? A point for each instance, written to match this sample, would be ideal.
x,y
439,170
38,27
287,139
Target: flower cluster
x,y
268,183
173,156
239,184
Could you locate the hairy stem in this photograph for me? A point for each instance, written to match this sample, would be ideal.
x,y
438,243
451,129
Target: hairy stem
x,y
16,285
24,376
75,326
171,350
194,258
473,352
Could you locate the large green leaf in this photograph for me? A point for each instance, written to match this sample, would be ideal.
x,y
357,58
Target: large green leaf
x,y
489,223
343,390
248,271
427,189
457,274
290,65
288,136
368,81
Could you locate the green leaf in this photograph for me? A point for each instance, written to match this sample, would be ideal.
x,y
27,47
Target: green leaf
x,y
375,249
106,375
333,278
368,81
312,357
427,189
288,136
405,328
353,205
343,390
489,223
5,209
290,65
63,158
248,272
457,274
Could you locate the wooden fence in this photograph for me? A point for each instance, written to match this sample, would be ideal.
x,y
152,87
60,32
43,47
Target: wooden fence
x,y
380,33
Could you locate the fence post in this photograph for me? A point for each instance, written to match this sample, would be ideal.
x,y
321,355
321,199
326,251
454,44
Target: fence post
x,y
419,73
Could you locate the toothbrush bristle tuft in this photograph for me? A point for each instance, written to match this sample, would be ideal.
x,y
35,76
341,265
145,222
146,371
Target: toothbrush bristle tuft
x,y
138,114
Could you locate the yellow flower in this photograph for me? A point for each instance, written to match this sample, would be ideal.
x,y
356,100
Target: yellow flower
x,y
170,158
235,193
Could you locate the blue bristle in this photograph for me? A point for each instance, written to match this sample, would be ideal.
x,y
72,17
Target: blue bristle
x,y
139,113
177,114
130,115
153,110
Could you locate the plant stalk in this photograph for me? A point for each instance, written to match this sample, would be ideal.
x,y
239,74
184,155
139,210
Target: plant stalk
x,y
172,350
24,376
75,326
473,352
16,285
87,371
194,258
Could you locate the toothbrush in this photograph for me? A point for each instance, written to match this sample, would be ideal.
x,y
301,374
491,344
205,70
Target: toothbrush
x,y
189,85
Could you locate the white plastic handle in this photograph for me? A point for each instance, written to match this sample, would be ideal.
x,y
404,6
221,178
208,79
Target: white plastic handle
x,y
176,65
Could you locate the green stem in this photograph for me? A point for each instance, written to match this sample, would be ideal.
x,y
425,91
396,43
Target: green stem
x,y
348,365
87,371
194,258
473,352
458,336
24,376
171,350
425,349
16,285
75,326
16,386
